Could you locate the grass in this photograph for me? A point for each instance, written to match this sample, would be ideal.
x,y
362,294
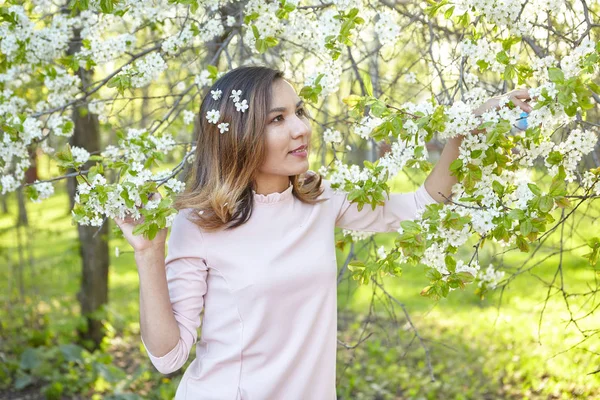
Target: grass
x,y
478,349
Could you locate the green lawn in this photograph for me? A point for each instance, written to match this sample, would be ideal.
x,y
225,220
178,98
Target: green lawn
x,y
478,349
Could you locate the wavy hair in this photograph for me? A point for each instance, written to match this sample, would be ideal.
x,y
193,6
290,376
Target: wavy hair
x,y
221,182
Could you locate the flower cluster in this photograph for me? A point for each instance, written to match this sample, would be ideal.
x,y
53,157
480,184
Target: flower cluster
x,y
387,28
490,277
213,115
357,235
577,144
239,105
188,117
80,155
144,71
332,136
174,43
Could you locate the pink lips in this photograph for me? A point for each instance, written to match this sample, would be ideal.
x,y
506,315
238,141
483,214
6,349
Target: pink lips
x,y
301,151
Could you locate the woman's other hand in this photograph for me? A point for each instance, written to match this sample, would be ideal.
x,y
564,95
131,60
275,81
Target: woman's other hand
x,y
139,242
519,98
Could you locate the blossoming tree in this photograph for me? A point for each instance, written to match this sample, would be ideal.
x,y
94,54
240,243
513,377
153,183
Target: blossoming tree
x,y
138,68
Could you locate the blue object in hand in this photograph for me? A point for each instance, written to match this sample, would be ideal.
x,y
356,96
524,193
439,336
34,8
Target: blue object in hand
x,y
522,121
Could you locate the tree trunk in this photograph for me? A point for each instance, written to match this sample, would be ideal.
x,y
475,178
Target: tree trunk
x,y
4,204
93,292
22,219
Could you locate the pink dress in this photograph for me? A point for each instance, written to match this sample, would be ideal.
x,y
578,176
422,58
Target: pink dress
x,y
268,291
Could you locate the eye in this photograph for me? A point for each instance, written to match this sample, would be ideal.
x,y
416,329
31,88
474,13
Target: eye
x,y
301,112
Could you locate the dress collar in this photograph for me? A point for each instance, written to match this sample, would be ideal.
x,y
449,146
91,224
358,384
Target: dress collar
x,y
274,197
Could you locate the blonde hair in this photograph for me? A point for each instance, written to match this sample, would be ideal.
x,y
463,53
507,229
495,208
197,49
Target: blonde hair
x,y
219,189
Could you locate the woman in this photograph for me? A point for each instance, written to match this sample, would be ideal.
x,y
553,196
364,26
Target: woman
x,y
253,248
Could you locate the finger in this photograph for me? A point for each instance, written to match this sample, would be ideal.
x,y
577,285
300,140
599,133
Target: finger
x,y
154,196
521,104
522,94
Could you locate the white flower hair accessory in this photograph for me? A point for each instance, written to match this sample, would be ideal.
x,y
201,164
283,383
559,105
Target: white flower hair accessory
x,y
241,106
213,116
235,95
223,127
216,94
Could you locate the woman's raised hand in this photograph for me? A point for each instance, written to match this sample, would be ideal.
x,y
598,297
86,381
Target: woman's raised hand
x,y
139,242
519,98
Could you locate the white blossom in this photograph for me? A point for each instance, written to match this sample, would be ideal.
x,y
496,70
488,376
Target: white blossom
x,y
213,116
223,127
332,136
175,185
490,277
203,79
80,155
241,106
216,94
235,95
188,117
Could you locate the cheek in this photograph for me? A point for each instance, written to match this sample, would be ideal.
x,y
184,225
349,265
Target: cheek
x,y
276,146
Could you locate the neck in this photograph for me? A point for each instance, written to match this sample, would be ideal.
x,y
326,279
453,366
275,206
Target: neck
x,y
271,184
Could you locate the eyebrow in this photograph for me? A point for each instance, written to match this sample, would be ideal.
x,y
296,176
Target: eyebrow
x,y
279,109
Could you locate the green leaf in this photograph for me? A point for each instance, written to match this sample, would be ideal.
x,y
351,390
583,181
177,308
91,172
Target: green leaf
x,y
410,226
535,189
107,6
378,109
213,71
355,194
30,359
110,373
261,46
556,75
456,165
503,58
509,73
271,41
492,137
509,42
498,188
526,227
366,78
449,12
522,244
356,266
352,13
554,158
450,263
251,17
594,87
433,275
546,203
483,65
562,202
23,381
517,214
71,352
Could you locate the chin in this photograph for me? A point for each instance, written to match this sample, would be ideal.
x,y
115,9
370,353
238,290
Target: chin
x,y
301,169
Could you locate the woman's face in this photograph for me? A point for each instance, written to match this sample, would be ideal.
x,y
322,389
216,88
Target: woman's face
x,y
287,135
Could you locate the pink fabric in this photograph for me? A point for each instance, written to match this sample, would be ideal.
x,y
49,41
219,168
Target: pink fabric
x,y
268,292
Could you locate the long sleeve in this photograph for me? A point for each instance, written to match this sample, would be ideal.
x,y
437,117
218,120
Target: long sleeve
x,y
386,218
186,271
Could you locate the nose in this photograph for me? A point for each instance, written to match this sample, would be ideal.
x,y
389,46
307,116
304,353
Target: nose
x,y
300,127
